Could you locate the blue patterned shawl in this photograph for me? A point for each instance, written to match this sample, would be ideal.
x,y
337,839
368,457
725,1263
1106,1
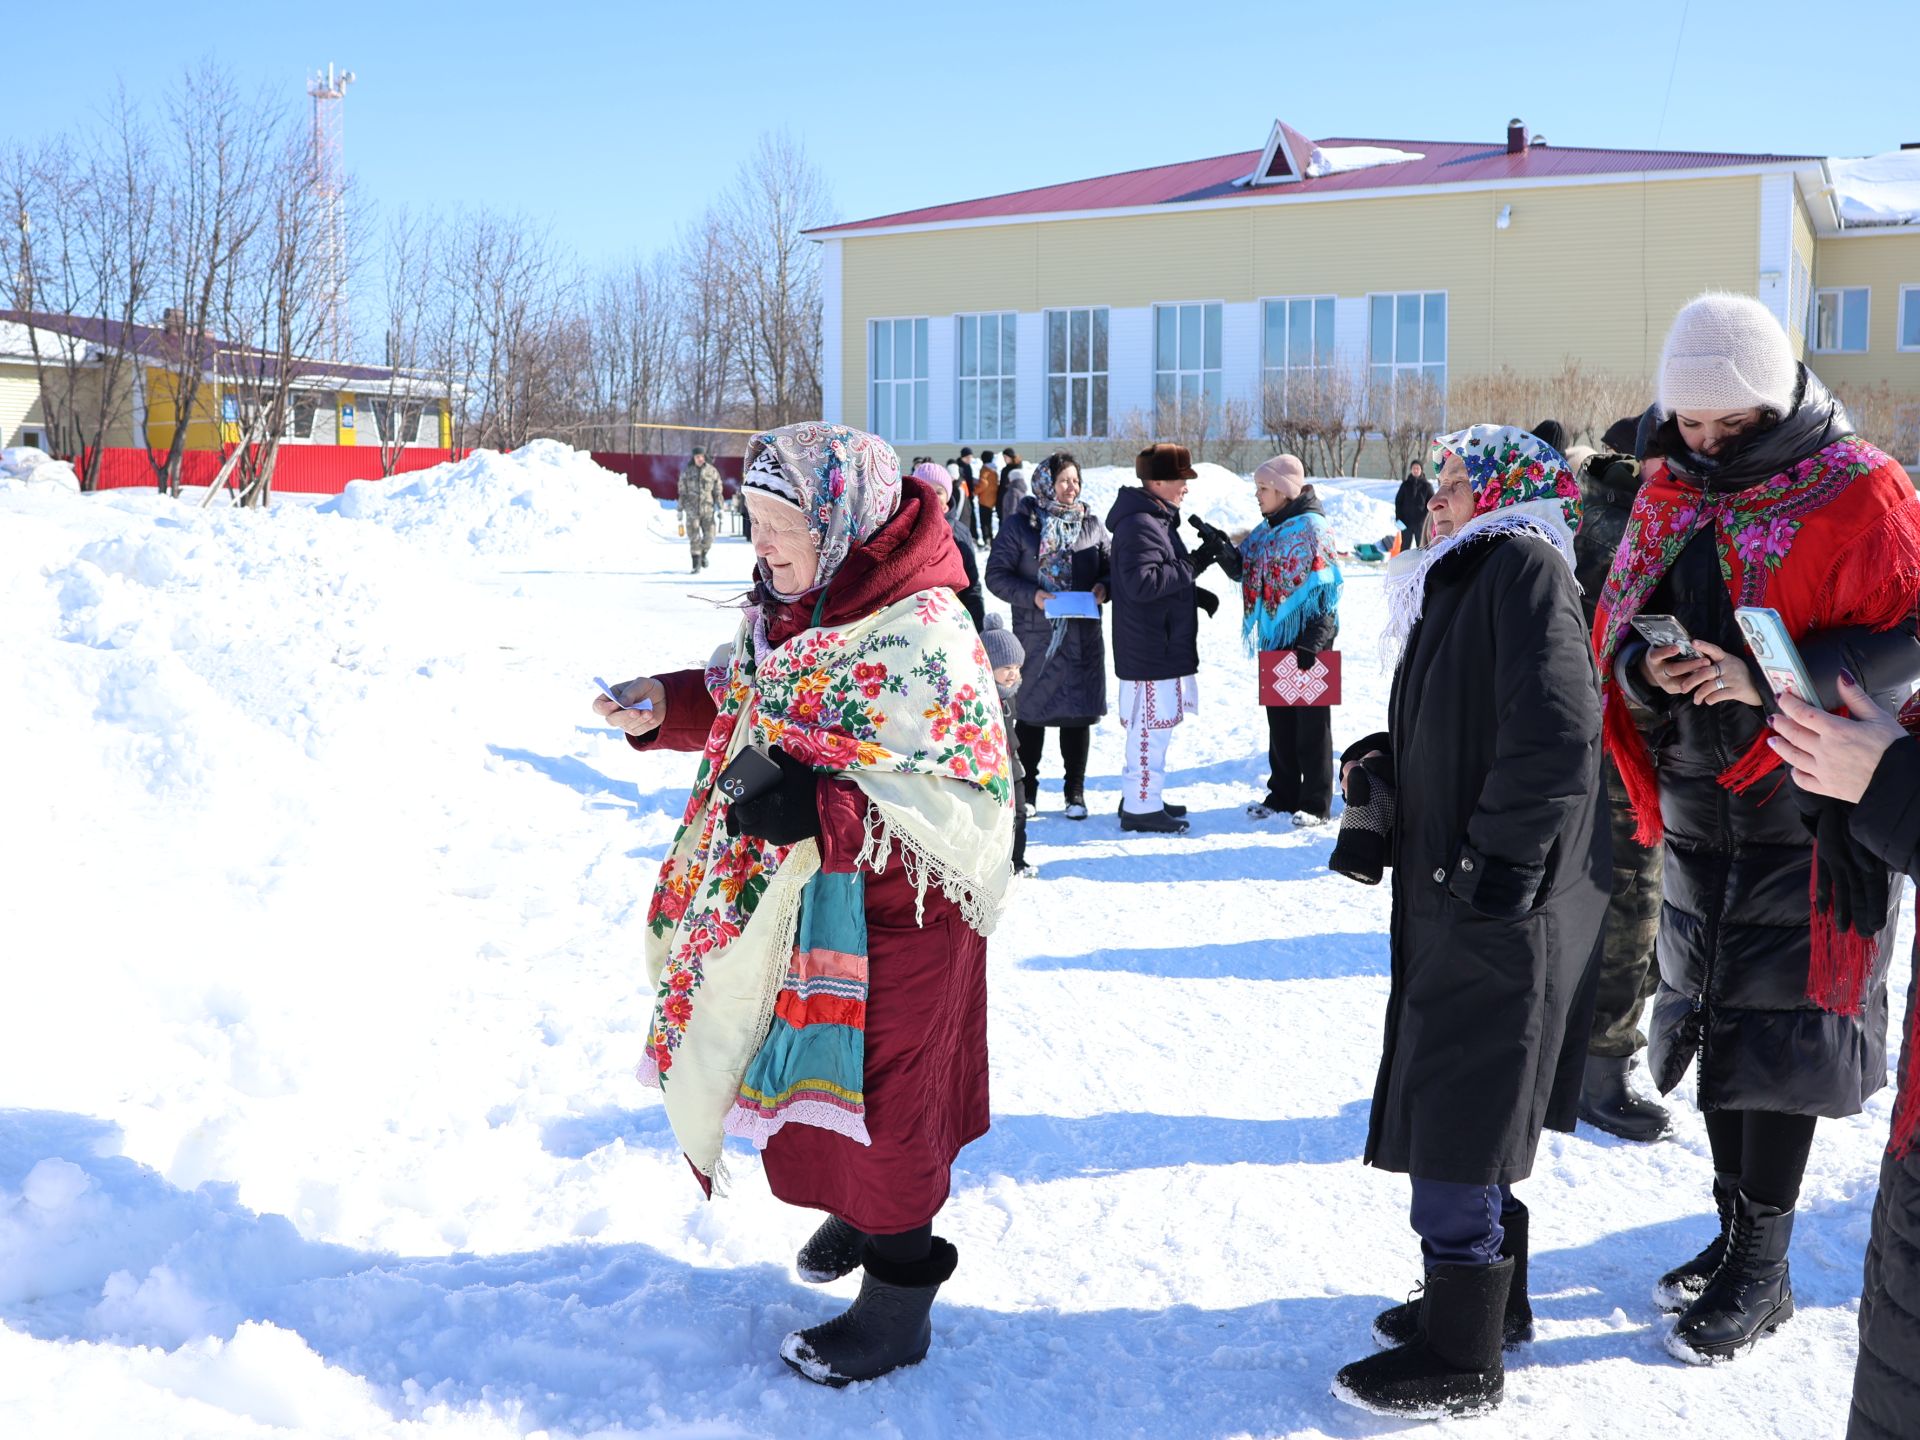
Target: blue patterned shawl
x,y
1289,577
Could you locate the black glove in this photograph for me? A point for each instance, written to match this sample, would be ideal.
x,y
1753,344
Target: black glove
x,y
1848,881
1305,658
1206,600
1201,558
1212,534
784,815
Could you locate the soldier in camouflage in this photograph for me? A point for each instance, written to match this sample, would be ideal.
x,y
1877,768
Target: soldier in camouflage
x,y
1609,479
699,504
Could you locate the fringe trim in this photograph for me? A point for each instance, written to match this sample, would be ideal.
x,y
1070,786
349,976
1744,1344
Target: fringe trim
x,y
760,1127
1840,962
970,895
1407,591
1628,747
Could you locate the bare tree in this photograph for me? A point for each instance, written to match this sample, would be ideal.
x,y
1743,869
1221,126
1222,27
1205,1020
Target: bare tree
x,y
633,337
706,358
407,294
772,273
1407,415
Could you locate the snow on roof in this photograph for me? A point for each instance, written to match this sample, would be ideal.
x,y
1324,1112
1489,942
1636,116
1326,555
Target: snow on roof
x,y
1333,159
1878,190
17,343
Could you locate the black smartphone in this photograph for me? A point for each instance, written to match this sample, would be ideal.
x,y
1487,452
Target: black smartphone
x,y
1665,630
749,775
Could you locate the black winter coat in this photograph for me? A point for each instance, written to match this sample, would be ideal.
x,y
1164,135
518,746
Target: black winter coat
x,y
1886,1378
971,598
1071,688
1502,860
1735,931
1608,485
1410,506
1156,627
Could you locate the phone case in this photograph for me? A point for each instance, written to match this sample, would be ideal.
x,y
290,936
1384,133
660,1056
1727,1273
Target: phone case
x,y
1773,651
1665,630
751,773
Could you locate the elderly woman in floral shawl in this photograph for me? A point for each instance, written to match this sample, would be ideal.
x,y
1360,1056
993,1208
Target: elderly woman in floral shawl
x,y
1502,861
818,951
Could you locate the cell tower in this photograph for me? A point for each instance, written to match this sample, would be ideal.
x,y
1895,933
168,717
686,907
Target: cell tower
x,y
329,91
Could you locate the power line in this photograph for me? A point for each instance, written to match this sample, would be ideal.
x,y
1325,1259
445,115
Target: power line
x,y
1672,70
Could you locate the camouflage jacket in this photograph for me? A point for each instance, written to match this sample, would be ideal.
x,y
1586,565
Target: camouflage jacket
x,y
699,487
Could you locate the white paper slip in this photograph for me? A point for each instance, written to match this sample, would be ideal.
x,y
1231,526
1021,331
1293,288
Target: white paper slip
x,y
1073,605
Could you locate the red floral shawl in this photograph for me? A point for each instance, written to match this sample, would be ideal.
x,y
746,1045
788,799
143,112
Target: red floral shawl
x,y
1834,541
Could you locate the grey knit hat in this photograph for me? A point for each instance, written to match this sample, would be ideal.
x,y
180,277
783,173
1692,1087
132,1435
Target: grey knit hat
x,y
1727,352
1003,646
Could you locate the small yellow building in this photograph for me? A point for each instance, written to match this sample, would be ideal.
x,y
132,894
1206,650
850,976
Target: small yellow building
x,y
1055,315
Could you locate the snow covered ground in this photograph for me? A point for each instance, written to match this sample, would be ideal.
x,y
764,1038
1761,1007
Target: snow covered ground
x,y
323,892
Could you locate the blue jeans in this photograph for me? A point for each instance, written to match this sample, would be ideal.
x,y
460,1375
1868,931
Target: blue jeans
x,y
1460,1224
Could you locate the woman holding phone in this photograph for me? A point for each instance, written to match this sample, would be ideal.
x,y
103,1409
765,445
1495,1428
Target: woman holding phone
x,y
1053,542
817,938
1771,946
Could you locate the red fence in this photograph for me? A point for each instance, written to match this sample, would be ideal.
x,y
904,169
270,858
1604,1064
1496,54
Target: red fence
x,y
326,469
300,470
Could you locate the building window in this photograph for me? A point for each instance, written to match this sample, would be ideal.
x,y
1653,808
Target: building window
x,y
1296,344
1910,317
1840,321
1407,339
1801,286
897,365
1077,373
985,344
1186,361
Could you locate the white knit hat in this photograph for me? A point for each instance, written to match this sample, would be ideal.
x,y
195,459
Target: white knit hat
x,y
1727,352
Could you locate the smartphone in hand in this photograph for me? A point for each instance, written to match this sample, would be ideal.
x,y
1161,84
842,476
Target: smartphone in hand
x,y
607,690
1665,630
1775,653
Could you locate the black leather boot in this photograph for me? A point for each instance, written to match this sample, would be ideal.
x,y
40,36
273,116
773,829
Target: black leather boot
x,y
1608,1103
830,1252
887,1326
1750,1295
1681,1286
1158,822
1455,1366
1401,1324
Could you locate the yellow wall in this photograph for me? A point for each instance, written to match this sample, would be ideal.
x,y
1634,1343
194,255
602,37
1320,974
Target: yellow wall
x,y
1804,247
19,401
344,431
163,411
1592,272
1883,263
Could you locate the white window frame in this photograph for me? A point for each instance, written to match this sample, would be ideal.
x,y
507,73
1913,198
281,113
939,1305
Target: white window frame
x,y
1006,379
1800,292
886,422
1422,365
1284,369
1813,320
1180,371
1909,295
1090,375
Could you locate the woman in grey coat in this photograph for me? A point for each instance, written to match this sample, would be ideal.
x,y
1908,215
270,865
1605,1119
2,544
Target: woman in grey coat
x,y
1051,543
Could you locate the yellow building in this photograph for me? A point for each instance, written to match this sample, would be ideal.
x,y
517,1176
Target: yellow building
x,y
1053,315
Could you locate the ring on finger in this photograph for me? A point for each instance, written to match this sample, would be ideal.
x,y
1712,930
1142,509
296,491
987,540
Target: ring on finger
x,y
1720,682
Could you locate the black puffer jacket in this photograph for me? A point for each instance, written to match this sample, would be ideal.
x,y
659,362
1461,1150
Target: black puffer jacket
x,y
1608,484
1886,1379
971,598
1156,628
1502,862
1735,936
1070,688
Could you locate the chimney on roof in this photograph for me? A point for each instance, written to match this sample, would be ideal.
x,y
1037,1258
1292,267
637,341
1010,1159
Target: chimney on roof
x,y
1516,137
173,320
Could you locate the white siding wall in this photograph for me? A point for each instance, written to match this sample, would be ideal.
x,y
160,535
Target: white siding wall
x,y
833,347
1240,352
1129,363
1776,245
1030,375
1350,332
941,399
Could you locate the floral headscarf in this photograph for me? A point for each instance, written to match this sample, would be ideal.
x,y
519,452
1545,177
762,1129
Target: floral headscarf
x,y
1510,466
847,483
1060,527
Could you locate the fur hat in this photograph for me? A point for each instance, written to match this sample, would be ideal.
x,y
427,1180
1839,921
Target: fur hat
x,y
1727,352
1003,646
1164,462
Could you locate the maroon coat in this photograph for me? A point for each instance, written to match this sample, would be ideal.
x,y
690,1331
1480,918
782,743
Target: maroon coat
x,y
926,1036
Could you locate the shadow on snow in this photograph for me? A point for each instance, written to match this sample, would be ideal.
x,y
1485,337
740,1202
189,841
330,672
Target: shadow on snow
x,y
1332,956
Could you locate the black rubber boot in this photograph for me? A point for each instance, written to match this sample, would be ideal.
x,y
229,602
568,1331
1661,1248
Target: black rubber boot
x,y
1158,822
1750,1295
1401,1324
1455,1366
887,1326
1608,1103
830,1252
1681,1286
1075,804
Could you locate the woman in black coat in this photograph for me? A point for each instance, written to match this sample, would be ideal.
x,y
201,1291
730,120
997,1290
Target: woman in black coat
x,y
1779,1000
1872,764
1052,542
1501,860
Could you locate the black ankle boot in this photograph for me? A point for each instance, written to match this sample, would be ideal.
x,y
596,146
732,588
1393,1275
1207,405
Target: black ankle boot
x,y
1750,1295
1401,1324
1681,1286
1454,1366
830,1252
887,1326
1608,1103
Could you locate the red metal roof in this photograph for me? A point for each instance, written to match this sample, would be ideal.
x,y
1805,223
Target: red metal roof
x,y
1443,163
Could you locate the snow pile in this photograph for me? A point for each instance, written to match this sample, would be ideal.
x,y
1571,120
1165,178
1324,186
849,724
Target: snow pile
x,y
1879,190
540,501
24,465
1335,159
1355,517
1222,498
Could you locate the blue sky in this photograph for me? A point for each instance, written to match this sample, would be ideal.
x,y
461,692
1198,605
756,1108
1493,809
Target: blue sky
x,y
619,121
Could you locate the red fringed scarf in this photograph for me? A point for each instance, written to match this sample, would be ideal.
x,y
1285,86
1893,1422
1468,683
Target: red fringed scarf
x,y
1834,541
